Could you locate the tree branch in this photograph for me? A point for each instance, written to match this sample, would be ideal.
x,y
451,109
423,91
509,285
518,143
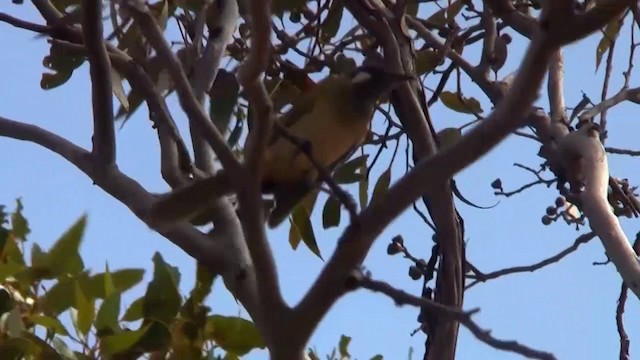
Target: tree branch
x,y
356,241
189,103
104,138
403,298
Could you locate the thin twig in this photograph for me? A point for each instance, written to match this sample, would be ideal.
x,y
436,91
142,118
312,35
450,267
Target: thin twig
x,y
483,277
403,298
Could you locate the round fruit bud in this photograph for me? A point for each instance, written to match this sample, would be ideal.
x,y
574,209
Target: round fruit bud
x,y
546,220
414,272
393,249
561,201
551,210
497,184
294,17
398,239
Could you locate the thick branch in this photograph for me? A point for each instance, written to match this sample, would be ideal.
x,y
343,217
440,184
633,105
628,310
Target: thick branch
x,y
104,139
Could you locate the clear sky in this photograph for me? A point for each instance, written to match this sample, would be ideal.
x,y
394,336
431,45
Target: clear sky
x,y
567,308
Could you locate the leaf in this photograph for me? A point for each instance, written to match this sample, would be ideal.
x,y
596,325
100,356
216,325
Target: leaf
x,y
162,298
123,280
331,213
204,281
107,317
118,89
302,224
426,61
363,188
123,341
86,310
377,357
19,225
347,173
134,312
11,323
233,334
50,323
448,137
10,268
64,257
609,35
460,104
331,23
62,349
343,346
444,15
382,185
223,99
62,64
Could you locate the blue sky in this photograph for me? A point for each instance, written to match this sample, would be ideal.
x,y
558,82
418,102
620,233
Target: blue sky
x,y
567,308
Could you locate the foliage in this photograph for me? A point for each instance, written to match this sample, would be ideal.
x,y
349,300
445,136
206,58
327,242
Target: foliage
x,y
52,307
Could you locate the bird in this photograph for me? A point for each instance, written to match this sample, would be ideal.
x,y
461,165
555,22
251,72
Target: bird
x,y
327,123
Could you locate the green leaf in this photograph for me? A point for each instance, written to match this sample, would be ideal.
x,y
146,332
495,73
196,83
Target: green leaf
x,y
460,103
16,348
134,312
448,137
63,349
348,172
156,337
123,341
204,281
331,23
162,298
86,310
223,99
10,268
60,296
609,35
302,224
62,64
331,213
382,185
343,346
19,225
107,318
50,323
64,257
11,323
118,89
233,334
426,61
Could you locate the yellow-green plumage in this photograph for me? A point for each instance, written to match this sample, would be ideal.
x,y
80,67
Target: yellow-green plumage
x,y
332,118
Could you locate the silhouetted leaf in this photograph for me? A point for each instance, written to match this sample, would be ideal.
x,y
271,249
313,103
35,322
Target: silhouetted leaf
x,y
448,136
64,257
363,187
331,213
302,224
19,225
467,105
343,346
331,23
348,173
223,99
382,185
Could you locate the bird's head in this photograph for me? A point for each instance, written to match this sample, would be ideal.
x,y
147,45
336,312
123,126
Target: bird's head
x,y
371,82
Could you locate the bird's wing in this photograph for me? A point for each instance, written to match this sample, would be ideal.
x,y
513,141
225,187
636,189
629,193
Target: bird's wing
x,y
299,108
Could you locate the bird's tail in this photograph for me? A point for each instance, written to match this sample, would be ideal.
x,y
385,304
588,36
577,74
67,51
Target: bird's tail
x,y
187,202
